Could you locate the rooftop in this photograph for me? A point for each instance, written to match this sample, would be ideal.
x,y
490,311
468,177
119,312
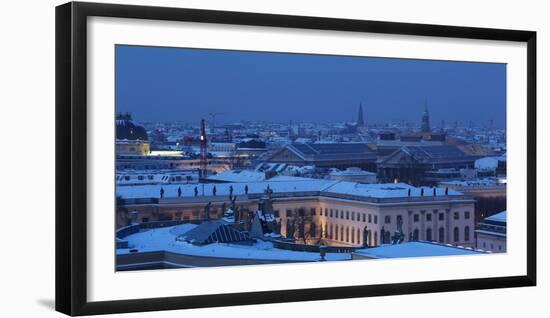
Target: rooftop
x,y
332,151
499,217
286,185
415,249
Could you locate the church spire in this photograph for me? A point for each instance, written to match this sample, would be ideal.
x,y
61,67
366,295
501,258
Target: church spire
x,y
425,124
360,121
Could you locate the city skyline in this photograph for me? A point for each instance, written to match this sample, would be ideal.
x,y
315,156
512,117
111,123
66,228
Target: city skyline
x,y
278,87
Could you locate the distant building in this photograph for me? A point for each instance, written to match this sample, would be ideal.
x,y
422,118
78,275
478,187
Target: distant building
x,y
425,123
389,141
132,147
360,120
489,193
131,139
143,177
127,130
327,155
353,174
492,166
410,163
491,233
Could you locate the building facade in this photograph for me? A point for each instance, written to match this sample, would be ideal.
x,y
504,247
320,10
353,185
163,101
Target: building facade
x,y
491,233
320,211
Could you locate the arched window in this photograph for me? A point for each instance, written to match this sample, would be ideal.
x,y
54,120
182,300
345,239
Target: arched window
x,y
429,235
415,235
313,230
456,234
441,235
330,234
347,234
466,234
336,233
375,238
359,237
353,235
387,238
370,238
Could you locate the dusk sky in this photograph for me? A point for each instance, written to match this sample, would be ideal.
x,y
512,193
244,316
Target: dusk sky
x,y
173,84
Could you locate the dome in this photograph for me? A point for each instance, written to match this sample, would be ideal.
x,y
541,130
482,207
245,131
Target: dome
x,y
126,129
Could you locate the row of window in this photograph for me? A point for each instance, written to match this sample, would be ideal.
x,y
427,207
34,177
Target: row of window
x,y
341,214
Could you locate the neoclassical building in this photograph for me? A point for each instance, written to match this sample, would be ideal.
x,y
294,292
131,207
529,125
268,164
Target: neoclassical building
x,y
315,211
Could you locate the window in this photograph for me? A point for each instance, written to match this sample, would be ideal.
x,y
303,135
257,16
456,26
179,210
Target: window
x,y
288,213
467,233
352,235
375,238
370,218
387,219
456,235
484,244
352,215
358,236
376,219
441,235
364,217
415,235
330,233
145,220
330,213
301,212
428,217
140,177
467,215
441,216
399,219
347,234
416,217
312,211
326,212
347,216
456,216
312,230
428,235
276,213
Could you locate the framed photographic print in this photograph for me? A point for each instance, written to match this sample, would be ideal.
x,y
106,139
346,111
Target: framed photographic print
x,y
210,158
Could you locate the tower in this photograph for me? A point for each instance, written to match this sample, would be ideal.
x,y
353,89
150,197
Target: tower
x,y
425,124
360,121
204,151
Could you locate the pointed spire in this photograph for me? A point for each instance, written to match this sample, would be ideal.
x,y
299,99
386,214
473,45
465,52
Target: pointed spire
x,y
425,123
360,120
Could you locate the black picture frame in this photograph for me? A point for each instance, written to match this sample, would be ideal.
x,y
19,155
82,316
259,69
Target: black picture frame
x,y
71,157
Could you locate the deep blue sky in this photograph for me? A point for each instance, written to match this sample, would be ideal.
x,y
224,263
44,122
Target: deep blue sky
x,y
167,84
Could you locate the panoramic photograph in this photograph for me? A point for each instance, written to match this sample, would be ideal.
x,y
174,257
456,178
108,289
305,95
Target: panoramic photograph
x,y
228,157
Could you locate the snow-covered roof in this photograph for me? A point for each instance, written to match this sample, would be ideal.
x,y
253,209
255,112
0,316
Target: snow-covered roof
x,y
238,176
352,171
164,239
285,185
474,182
415,249
499,217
